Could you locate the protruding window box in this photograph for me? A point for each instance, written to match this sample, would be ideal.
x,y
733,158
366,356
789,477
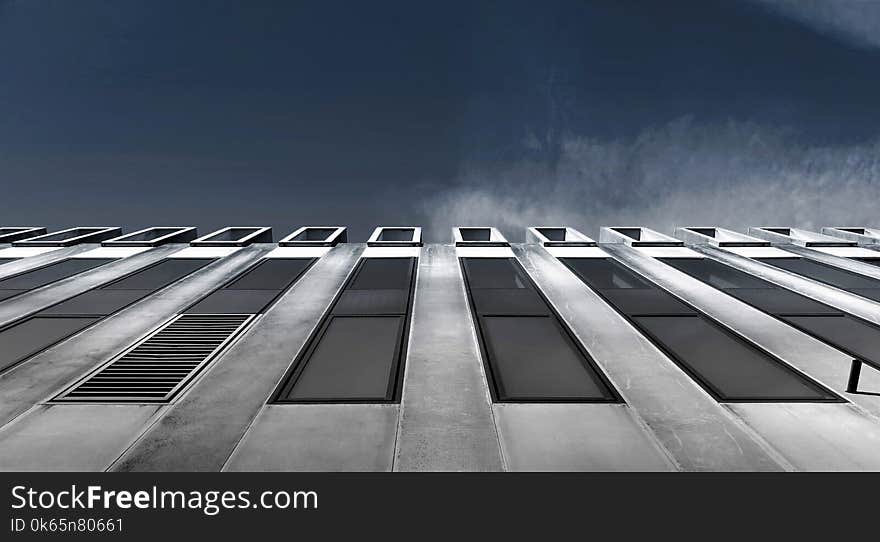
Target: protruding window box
x,y
862,236
153,237
384,236
478,237
70,237
11,234
235,236
558,237
637,237
799,237
315,236
718,237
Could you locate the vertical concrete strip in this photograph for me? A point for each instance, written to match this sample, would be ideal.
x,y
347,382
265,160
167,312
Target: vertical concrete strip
x,y
49,371
697,432
201,430
70,437
576,437
326,438
446,418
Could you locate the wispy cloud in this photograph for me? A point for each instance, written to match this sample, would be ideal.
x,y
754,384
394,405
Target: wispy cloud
x,y
857,21
685,173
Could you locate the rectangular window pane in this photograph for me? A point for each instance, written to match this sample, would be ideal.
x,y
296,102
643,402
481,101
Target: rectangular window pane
x,y
234,302
733,368
780,301
6,294
821,272
372,302
50,273
23,340
870,293
508,301
494,273
383,274
603,273
159,275
858,338
635,301
716,273
96,302
532,358
271,274
356,358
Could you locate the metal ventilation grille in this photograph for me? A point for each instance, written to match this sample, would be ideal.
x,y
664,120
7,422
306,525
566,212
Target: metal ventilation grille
x,y
158,367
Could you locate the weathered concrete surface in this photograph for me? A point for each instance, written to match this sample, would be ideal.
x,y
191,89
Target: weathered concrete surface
x,y
39,260
40,298
329,438
37,378
811,356
70,437
576,437
446,421
697,432
200,431
817,436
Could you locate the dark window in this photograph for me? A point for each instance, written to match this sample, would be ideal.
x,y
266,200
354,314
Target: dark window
x,y
716,273
553,234
872,261
529,353
870,293
494,273
255,289
475,234
271,274
225,301
232,234
728,366
355,359
532,358
396,234
602,273
383,274
150,235
821,272
96,302
851,335
50,273
632,233
31,336
358,350
734,369
780,301
158,276
314,234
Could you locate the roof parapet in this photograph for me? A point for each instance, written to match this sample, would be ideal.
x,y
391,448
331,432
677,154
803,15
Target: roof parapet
x,y
154,237
396,236
799,237
719,237
71,236
557,236
861,236
478,236
235,236
637,237
316,236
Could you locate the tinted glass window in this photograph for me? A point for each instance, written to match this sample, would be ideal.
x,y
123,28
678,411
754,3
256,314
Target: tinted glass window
x,y
872,261
50,273
234,302
31,336
602,273
779,301
553,234
860,339
488,301
396,234
383,274
716,273
475,234
314,234
734,369
271,274
823,273
494,273
159,275
372,302
532,358
354,359
636,301
96,302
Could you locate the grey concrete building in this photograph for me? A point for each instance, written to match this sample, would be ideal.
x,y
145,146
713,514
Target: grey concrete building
x,y
704,350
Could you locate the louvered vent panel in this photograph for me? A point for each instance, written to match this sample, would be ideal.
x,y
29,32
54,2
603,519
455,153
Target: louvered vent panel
x,y
159,366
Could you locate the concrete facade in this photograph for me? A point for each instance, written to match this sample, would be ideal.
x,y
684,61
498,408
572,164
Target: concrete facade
x,y
444,417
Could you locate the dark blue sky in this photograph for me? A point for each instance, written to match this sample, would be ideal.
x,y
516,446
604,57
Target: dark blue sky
x,y
136,113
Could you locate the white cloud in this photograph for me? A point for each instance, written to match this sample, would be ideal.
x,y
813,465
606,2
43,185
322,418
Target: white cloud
x,y
735,175
857,21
